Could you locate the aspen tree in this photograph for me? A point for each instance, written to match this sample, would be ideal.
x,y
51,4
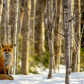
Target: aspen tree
x,y
1,8
15,35
67,41
25,35
50,35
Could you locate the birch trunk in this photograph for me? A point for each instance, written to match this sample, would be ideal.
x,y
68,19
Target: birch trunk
x,y
50,35
79,38
76,51
1,8
15,35
50,49
57,36
60,31
20,18
33,10
25,35
12,18
38,37
67,41
70,29
43,32
6,22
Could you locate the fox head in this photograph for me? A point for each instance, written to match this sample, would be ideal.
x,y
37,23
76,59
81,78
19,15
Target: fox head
x,y
7,48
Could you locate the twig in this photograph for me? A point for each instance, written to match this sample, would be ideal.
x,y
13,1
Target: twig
x,y
75,16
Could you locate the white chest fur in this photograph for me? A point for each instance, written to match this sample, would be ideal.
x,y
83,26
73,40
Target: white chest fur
x,y
8,58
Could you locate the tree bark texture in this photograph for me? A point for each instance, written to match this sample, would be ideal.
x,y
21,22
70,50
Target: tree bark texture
x,y
6,22
67,41
50,36
38,37
15,35
12,18
76,52
1,8
33,11
57,36
25,45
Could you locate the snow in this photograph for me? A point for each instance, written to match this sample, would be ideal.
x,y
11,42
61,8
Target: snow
x,y
57,78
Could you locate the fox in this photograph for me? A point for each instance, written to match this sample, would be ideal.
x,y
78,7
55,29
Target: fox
x,y
6,58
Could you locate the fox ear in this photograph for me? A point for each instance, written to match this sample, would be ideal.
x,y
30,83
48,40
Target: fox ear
x,y
2,45
11,45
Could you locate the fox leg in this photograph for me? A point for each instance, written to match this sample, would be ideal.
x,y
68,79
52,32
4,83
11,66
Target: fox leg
x,y
6,71
2,71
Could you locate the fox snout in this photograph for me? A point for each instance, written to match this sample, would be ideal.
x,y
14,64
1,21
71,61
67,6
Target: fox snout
x,y
6,53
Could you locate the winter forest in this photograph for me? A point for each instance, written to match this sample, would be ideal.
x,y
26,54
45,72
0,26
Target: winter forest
x,y
46,33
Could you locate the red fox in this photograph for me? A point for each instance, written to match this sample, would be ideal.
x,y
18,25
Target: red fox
x,y
6,58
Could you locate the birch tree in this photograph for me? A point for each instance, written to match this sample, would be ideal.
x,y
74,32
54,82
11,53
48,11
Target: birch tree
x,y
78,35
12,18
67,41
6,22
57,36
50,35
21,14
38,37
1,7
25,35
33,10
70,29
15,34
77,39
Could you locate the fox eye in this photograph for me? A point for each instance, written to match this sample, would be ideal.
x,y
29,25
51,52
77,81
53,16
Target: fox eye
x,y
4,49
8,49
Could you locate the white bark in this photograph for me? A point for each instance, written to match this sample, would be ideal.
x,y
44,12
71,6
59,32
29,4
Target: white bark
x,y
79,30
67,41
1,8
15,34
33,7
43,32
70,29
6,22
25,45
50,36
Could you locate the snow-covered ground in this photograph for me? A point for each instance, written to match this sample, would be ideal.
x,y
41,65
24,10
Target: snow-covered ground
x,y
57,78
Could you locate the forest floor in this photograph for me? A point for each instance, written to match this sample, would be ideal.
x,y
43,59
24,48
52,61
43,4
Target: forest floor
x,y
57,78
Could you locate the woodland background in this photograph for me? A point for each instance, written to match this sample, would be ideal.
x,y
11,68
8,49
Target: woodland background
x,y
38,28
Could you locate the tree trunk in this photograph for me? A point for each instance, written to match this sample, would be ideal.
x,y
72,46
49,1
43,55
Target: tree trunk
x,y
15,35
70,29
33,10
60,31
50,49
43,32
76,51
26,29
67,41
21,14
57,36
12,18
6,22
1,8
38,37
78,36
50,35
